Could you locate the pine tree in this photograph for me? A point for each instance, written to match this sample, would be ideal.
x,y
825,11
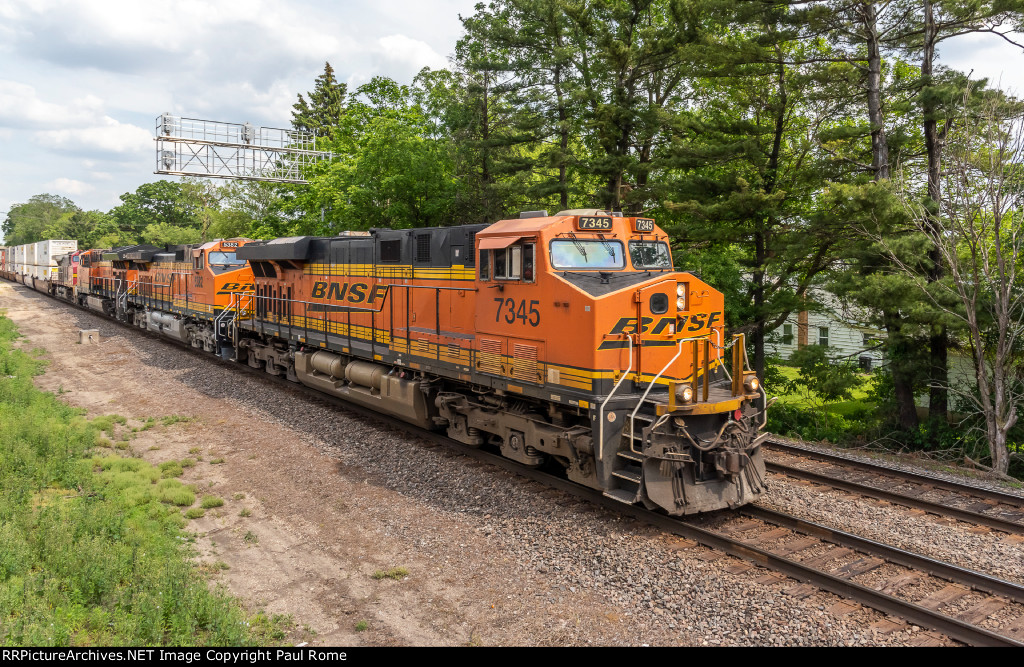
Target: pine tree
x,y
325,108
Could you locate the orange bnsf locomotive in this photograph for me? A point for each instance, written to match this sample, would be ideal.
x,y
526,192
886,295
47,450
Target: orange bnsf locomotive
x,y
566,338
184,292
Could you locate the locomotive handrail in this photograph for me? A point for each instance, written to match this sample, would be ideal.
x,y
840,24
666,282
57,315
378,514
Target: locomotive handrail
x,y
654,381
632,416
600,413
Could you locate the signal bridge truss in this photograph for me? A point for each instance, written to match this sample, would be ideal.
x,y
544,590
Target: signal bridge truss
x,y
210,149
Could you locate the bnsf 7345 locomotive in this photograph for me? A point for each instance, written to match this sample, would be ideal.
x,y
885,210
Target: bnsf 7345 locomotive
x,y
567,338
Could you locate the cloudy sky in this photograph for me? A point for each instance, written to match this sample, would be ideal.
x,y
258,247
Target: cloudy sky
x,y
82,81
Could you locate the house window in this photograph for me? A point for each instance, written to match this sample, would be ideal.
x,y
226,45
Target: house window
x,y
787,334
823,336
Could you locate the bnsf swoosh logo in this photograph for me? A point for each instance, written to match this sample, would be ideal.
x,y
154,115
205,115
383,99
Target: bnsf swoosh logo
x,y
690,323
230,288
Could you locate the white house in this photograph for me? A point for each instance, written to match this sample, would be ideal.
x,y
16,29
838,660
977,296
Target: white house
x,y
835,325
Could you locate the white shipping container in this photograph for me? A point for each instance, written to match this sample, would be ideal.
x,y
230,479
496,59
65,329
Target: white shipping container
x,y
44,256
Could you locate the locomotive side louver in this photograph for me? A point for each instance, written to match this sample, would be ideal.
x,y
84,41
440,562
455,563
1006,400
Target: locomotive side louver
x,y
489,359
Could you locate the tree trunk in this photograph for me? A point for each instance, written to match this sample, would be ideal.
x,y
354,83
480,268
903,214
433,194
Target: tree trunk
x,y
760,257
879,143
902,378
938,401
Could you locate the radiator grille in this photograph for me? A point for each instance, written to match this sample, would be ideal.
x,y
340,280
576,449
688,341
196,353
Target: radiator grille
x,y
525,360
489,358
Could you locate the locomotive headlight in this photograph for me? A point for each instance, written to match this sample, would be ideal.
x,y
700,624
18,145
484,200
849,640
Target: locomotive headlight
x,y
751,383
686,393
681,303
680,296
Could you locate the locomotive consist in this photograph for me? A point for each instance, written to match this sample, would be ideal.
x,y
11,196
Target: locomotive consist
x,y
565,340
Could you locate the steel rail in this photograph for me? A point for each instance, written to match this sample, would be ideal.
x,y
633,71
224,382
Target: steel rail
x,y
954,573
968,516
953,628
946,485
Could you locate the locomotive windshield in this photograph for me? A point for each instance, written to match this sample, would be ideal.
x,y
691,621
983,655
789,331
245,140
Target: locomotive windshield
x,y
650,255
587,254
225,258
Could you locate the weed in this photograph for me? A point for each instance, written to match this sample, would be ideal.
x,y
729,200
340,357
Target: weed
x,y
209,502
245,512
89,553
194,450
171,469
395,573
188,463
195,513
175,419
175,493
239,496
362,626
250,538
275,627
216,461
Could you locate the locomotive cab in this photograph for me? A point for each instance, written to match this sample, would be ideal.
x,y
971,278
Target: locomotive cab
x,y
586,310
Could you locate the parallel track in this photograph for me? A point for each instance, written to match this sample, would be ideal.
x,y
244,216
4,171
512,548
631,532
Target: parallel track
x,y
720,540
986,502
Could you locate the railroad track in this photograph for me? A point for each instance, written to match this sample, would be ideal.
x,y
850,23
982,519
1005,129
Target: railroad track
x,y
960,603
971,504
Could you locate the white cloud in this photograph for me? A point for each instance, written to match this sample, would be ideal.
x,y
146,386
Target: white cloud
x,y
110,136
21,107
80,126
68,186
400,49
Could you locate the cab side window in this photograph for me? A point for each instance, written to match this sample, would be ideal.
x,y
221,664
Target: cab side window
x,y
515,262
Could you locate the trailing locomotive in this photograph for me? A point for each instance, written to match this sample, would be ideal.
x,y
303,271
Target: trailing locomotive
x,y
566,339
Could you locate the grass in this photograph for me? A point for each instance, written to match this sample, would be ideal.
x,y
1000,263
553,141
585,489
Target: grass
x,y
216,461
250,538
209,502
245,512
395,573
175,493
91,554
170,469
195,513
362,626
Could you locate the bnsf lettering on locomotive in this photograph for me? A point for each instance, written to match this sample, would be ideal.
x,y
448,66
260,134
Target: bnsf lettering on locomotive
x,y
696,322
230,288
357,292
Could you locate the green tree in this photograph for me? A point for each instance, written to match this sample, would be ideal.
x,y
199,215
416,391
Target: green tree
x,y
168,202
27,223
325,108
